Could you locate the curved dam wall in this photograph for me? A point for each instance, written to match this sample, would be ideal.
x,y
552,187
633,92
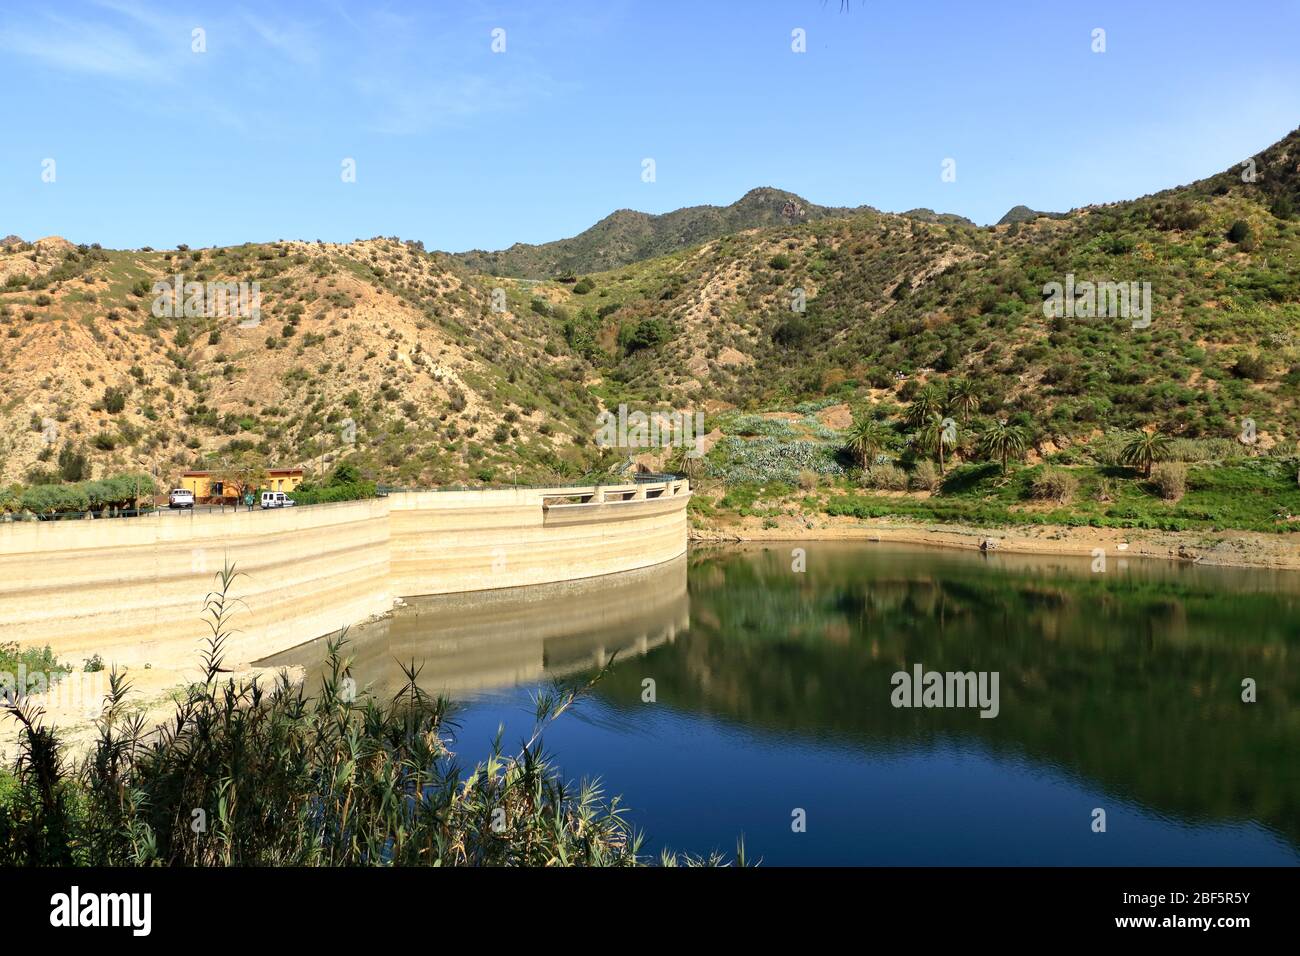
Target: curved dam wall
x,y
132,589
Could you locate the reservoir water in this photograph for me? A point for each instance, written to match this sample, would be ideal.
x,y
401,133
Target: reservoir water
x,y
774,692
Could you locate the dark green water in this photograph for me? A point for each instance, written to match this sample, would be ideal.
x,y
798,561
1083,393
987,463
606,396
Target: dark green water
x,y
1119,691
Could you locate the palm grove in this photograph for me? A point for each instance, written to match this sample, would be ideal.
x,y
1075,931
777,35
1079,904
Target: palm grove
x,y
929,427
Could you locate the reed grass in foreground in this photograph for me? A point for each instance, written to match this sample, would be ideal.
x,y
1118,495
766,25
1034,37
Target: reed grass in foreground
x,y
245,775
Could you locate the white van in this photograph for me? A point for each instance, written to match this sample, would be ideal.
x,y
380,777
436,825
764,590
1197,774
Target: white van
x,y
276,499
180,498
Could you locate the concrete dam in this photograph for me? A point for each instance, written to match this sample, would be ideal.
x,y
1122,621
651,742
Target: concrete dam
x,y
132,589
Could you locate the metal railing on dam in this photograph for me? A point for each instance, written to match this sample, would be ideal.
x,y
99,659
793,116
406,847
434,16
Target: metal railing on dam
x,y
132,590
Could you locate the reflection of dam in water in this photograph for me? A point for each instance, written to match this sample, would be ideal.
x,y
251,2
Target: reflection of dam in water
x,y
485,640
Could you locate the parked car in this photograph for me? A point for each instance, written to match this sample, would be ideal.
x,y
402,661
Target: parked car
x,y
180,498
276,499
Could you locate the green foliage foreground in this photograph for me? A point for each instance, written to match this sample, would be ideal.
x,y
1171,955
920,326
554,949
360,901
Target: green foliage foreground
x,y
245,776
1252,495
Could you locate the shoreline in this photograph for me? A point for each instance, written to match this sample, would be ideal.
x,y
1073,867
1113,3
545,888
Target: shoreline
x,y
1233,549
154,687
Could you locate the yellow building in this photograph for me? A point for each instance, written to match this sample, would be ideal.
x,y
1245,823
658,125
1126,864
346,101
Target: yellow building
x,y
209,489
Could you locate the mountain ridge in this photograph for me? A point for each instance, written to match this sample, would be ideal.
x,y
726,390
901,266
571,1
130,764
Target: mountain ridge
x,y
449,376
626,236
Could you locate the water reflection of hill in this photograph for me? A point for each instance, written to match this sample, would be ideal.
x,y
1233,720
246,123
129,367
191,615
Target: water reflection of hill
x,y
1131,678
493,639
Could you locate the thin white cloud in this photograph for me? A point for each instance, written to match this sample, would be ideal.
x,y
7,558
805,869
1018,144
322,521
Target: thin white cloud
x,y
414,80
294,40
402,108
142,15
398,84
137,41
82,48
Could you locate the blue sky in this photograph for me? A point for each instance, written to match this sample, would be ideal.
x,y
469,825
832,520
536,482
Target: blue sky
x,y
461,147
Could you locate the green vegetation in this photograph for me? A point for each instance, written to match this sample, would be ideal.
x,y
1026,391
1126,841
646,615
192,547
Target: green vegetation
x,y
1253,495
343,484
38,664
1141,480
866,438
627,237
1144,449
244,775
102,498
947,318
1002,441
771,303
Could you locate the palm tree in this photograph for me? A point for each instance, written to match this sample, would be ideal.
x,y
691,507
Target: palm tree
x,y
1144,449
931,437
963,398
866,437
927,403
1001,440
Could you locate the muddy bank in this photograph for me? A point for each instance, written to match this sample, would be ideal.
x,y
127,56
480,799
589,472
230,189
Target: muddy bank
x,y
1241,549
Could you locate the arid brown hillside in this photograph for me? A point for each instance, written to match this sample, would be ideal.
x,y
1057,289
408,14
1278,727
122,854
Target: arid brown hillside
x,y
422,373
439,387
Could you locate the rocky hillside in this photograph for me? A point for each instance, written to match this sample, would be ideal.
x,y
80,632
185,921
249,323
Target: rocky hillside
x,y
890,303
375,351
448,375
